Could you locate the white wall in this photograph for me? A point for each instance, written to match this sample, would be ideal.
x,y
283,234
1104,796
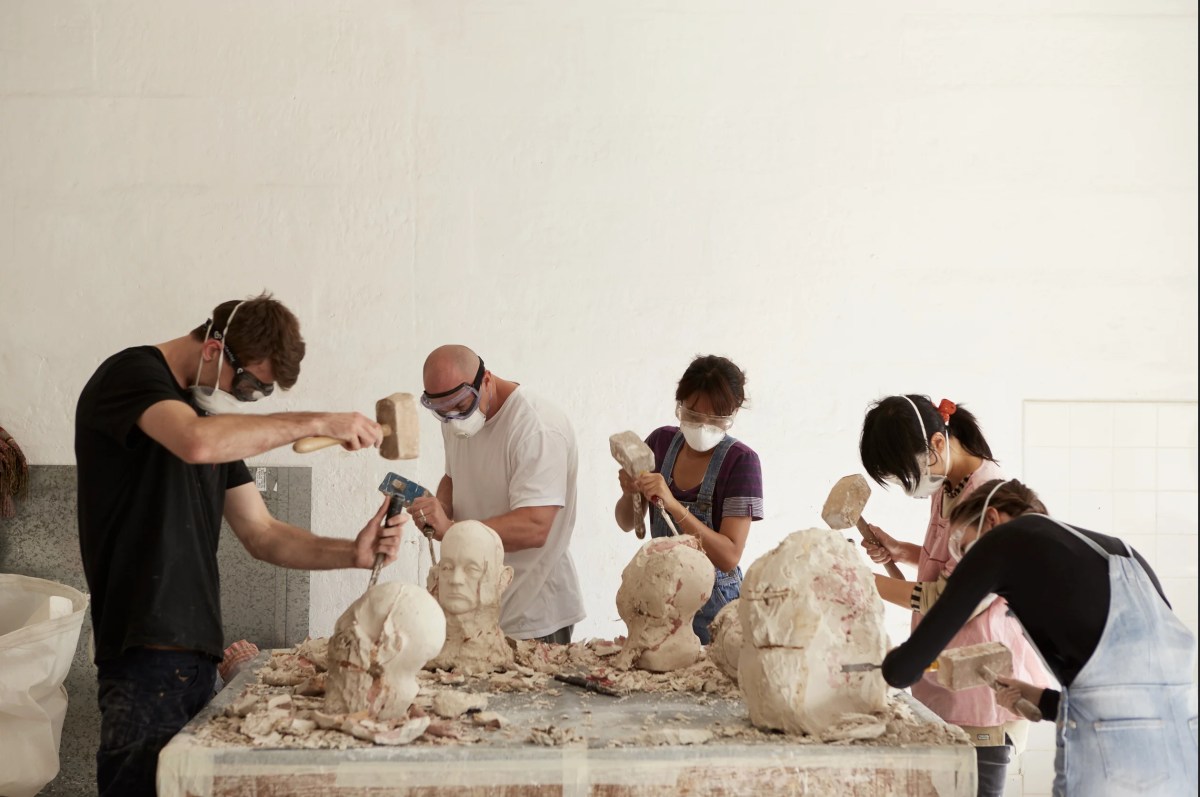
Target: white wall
x,y
989,201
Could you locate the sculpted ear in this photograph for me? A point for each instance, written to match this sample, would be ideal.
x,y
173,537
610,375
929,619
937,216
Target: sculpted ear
x,y
506,575
431,582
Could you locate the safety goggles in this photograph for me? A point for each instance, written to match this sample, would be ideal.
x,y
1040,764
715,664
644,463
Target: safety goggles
x,y
722,422
458,402
246,386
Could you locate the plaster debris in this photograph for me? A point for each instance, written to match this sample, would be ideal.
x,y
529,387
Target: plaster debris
x,y
489,719
280,717
468,582
450,703
553,736
663,586
726,647
379,645
662,736
806,608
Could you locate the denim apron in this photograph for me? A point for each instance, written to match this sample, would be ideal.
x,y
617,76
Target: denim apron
x,y
1127,723
726,585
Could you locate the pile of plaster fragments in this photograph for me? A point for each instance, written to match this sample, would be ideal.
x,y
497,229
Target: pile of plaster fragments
x,y
774,666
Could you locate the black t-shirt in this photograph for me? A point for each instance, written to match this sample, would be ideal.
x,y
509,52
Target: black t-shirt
x,y
1055,584
149,523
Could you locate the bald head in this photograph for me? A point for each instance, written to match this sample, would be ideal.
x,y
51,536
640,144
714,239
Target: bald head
x,y
449,366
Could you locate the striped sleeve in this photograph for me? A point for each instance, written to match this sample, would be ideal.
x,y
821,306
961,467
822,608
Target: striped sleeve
x,y
743,494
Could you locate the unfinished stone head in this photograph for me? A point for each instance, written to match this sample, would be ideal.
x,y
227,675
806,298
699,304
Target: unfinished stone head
x,y
468,583
662,588
726,647
808,607
378,646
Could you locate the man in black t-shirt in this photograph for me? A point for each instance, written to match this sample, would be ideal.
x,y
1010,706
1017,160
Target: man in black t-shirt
x,y
158,467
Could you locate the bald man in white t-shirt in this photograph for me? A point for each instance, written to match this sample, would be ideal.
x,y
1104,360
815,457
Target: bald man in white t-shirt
x,y
511,463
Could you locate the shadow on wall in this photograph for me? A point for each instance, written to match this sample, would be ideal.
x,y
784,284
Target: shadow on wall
x,y
262,603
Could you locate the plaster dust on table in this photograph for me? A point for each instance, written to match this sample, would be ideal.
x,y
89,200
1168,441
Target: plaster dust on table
x,y
277,717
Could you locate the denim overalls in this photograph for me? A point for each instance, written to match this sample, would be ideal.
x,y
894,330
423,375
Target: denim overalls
x,y
1127,723
726,585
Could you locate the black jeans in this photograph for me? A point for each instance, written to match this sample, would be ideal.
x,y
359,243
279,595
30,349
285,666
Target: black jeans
x,y
992,765
145,696
560,637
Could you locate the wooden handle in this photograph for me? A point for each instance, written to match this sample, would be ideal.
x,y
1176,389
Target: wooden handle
x,y
308,444
869,536
1026,709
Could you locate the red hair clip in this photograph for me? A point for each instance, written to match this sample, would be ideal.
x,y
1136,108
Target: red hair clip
x,y
946,408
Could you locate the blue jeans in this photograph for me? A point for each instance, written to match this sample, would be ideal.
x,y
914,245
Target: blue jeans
x,y
725,590
145,696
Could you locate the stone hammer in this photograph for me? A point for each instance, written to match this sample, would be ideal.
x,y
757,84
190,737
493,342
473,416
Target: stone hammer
x,y
967,667
843,509
397,414
976,665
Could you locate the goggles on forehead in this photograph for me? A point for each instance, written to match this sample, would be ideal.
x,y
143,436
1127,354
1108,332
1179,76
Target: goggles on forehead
x,y
246,386
722,422
457,402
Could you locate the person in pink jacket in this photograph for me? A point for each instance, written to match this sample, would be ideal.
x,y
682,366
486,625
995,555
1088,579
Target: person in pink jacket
x,y
939,452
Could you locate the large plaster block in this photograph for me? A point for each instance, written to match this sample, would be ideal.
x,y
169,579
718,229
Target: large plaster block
x,y
808,607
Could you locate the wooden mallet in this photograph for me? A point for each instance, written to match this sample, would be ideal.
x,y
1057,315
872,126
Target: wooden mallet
x,y
843,509
397,414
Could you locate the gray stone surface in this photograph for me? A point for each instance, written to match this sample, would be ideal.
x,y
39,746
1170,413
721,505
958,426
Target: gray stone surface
x,y
262,603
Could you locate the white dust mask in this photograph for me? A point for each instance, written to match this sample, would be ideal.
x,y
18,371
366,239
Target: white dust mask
x,y
213,400
702,437
468,426
929,482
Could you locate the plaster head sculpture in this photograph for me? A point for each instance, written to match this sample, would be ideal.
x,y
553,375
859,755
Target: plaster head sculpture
x,y
663,586
468,583
726,647
808,607
378,646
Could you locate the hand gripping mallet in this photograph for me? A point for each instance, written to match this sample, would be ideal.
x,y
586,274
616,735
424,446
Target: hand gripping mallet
x,y
397,414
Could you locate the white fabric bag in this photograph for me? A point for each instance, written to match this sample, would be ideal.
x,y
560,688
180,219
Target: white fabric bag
x,y
39,629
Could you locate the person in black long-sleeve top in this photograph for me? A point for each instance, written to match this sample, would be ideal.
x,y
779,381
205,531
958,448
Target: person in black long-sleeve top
x,y
1103,626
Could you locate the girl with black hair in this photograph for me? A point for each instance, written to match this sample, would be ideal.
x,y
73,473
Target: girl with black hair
x,y
939,452
1094,608
709,483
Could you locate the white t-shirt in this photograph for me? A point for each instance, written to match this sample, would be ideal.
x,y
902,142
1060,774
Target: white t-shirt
x,y
523,456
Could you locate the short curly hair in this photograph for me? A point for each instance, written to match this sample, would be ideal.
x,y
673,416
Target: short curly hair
x,y
262,330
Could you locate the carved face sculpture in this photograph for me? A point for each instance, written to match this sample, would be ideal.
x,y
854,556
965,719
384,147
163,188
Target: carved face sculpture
x,y
378,646
471,575
662,588
808,607
468,582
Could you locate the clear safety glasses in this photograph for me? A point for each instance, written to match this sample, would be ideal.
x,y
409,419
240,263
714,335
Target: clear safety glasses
x,y
458,402
722,422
